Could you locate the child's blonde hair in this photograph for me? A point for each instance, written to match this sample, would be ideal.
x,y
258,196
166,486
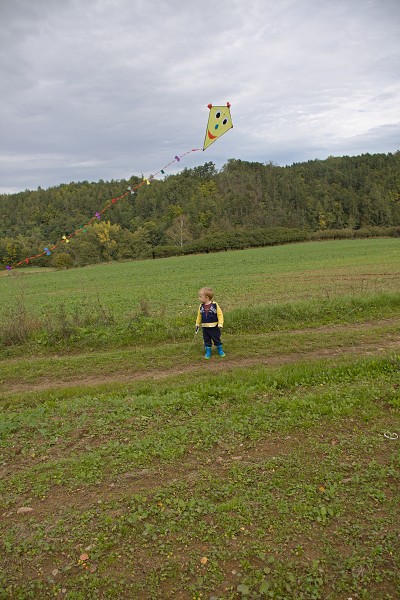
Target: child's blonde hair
x,y
208,292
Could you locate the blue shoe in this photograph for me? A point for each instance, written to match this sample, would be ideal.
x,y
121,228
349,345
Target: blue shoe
x,y
220,351
208,352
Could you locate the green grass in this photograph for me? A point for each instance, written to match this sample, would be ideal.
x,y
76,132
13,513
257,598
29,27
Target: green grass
x,y
184,479
117,305
113,364
257,276
281,478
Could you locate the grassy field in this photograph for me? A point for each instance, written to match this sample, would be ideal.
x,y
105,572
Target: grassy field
x,y
278,274
116,305
148,473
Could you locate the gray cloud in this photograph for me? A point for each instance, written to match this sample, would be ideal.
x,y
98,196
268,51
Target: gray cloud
x,y
111,88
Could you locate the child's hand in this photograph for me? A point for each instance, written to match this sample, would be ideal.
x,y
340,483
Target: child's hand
x,y
197,329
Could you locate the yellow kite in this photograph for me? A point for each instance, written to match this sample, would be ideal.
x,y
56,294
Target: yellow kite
x,y
219,122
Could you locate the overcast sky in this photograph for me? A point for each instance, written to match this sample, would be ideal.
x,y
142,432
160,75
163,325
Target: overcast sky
x,y
106,89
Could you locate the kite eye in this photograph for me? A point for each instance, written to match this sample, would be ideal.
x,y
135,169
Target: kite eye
x,y
224,122
217,115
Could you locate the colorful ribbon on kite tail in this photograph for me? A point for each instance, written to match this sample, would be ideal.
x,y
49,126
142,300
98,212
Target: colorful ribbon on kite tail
x,y
97,216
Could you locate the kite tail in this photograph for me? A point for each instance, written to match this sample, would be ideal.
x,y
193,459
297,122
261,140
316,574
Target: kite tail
x,y
98,214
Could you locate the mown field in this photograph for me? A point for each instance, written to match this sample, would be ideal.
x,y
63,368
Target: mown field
x,y
146,472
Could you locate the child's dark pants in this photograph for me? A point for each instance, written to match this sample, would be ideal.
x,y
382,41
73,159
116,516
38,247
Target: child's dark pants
x,y
210,335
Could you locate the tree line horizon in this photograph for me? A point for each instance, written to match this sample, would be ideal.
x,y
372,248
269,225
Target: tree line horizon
x,y
203,209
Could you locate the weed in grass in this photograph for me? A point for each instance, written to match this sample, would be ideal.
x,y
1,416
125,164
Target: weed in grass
x,y
17,325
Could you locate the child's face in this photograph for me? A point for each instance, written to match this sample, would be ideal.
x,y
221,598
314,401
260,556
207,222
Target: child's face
x,y
203,298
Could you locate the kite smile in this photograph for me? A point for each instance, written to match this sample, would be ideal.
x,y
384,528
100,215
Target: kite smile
x,y
210,135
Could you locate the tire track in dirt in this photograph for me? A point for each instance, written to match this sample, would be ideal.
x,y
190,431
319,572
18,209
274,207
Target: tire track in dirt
x,y
223,365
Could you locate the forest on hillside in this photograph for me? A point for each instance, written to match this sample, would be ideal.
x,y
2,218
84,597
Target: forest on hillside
x,y
202,209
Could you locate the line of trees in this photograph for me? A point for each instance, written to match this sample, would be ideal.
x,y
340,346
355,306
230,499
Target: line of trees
x,y
202,209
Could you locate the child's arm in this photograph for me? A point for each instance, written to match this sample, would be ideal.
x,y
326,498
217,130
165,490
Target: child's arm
x,y
220,316
198,320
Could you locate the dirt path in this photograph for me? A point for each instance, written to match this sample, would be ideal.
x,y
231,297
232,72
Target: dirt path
x,y
215,365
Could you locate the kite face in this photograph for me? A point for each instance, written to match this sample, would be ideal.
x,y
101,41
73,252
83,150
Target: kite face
x,y
219,122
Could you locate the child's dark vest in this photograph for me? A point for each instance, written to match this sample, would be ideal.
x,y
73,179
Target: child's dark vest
x,y
211,316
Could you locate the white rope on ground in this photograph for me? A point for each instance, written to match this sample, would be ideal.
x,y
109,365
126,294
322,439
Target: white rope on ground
x,y
391,436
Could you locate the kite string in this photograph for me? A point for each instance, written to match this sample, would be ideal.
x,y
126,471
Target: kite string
x,y
131,190
97,216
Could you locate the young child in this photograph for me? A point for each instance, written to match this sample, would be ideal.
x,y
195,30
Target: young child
x,y
211,319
